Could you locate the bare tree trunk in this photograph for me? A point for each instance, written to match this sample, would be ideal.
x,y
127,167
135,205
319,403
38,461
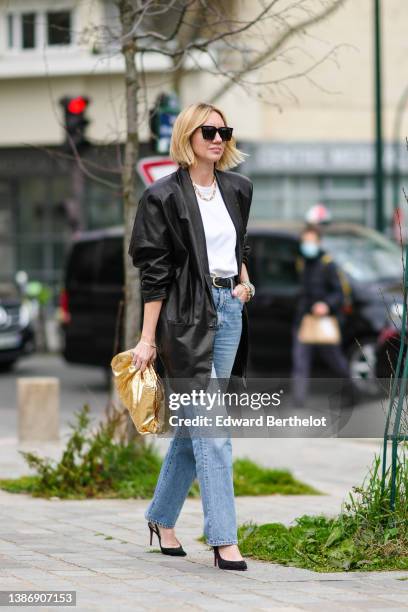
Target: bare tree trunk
x,y
132,312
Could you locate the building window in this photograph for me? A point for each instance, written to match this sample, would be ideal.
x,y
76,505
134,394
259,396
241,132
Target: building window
x,y
10,31
59,28
28,30
33,30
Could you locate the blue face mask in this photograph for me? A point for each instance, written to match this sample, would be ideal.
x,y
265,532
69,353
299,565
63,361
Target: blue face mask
x,y
309,249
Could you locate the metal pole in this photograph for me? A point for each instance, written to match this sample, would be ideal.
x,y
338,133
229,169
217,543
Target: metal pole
x,y
379,183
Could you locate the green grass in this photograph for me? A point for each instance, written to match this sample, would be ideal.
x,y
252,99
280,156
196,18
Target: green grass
x,y
324,545
128,472
252,479
365,536
95,465
140,480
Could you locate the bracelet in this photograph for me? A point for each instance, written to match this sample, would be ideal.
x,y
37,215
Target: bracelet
x,y
249,287
147,343
248,290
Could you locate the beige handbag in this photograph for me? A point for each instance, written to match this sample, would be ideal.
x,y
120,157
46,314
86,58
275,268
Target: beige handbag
x,y
319,330
142,393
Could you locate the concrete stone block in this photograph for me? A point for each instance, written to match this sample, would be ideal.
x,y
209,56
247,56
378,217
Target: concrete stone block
x,y
38,409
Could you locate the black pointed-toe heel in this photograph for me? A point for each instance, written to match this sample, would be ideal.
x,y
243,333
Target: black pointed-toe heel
x,y
175,551
228,565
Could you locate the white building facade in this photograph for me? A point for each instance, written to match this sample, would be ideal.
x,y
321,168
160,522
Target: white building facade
x,y
310,141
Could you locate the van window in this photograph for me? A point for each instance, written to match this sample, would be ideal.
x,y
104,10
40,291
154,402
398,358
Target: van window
x,y
82,263
276,263
365,257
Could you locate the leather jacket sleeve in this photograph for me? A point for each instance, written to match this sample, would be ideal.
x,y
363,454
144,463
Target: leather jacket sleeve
x,y
247,248
150,248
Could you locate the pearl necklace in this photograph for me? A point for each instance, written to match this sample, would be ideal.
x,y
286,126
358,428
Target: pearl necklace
x,y
212,195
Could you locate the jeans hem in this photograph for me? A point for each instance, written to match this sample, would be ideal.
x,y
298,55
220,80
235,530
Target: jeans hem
x,y
222,542
165,525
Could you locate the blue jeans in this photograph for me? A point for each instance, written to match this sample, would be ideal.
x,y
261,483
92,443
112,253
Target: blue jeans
x,y
206,458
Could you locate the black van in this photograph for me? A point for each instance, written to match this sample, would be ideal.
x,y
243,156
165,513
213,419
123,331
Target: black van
x,y
370,263
90,299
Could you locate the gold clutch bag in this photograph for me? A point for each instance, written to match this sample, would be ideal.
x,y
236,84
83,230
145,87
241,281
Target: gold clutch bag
x,y
319,330
141,392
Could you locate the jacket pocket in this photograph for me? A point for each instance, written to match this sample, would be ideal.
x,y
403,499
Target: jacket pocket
x,y
180,346
185,302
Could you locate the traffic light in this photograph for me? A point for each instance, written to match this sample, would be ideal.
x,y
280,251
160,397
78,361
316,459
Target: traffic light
x,y
75,122
161,120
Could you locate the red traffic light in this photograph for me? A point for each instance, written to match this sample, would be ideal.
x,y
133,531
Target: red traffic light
x,y
75,121
76,106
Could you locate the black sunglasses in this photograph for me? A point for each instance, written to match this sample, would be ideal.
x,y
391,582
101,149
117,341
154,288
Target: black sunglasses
x,y
209,132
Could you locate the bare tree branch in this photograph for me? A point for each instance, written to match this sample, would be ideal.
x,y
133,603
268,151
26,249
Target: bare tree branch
x,y
288,33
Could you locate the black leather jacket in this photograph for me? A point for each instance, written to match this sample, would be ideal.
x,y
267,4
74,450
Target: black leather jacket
x,y
168,245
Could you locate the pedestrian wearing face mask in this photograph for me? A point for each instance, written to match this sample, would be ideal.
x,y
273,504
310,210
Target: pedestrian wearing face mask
x,y
321,295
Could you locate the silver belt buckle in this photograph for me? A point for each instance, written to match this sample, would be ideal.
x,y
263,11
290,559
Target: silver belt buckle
x,y
214,283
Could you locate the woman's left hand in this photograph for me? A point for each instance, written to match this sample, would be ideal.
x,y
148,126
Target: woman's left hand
x,y
241,292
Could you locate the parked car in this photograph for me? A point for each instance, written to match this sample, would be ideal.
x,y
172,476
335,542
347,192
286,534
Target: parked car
x,y
16,330
370,263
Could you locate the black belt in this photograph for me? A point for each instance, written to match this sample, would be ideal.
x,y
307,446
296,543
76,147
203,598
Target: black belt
x,y
220,281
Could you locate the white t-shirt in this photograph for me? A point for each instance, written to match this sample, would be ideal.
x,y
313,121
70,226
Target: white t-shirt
x,y
220,233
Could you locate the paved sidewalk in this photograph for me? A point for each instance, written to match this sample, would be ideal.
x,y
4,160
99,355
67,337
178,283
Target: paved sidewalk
x,y
99,548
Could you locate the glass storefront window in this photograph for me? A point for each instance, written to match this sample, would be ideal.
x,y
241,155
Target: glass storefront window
x,y
268,194
346,182
7,231
58,255
43,230
32,210
38,213
30,255
58,214
349,198
104,206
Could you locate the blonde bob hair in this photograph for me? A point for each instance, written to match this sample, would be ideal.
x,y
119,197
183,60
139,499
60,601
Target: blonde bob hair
x,y
185,125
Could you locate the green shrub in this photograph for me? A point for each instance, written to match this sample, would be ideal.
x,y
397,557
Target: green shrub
x,y
94,464
365,536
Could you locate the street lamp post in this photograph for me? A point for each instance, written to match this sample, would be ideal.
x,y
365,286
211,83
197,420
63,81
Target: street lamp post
x,y
379,183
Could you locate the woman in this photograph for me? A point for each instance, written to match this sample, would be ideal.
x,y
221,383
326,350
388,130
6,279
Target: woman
x,y
189,241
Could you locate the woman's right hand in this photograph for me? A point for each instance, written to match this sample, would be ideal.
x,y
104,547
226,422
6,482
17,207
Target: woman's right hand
x,y
143,355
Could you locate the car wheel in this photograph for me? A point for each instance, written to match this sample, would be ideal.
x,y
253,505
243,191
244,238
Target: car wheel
x,y
362,361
